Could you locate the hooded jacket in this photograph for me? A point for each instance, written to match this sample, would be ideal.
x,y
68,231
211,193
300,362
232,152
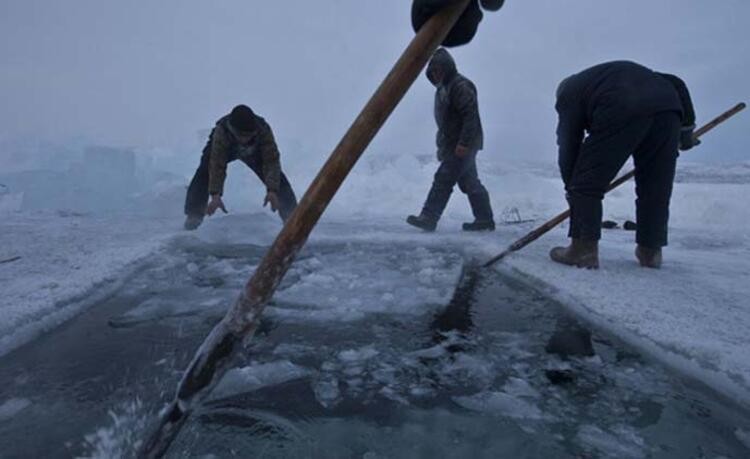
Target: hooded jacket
x,y
456,108
606,97
225,146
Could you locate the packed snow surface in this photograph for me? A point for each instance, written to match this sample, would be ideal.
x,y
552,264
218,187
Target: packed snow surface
x,y
67,262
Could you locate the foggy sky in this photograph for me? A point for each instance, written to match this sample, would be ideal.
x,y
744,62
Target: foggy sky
x,y
154,73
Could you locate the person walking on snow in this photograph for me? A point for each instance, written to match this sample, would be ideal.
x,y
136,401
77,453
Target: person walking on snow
x,y
459,139
245,136
606,113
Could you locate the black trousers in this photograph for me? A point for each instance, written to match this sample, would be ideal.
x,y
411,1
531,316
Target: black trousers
x,y
653,142
197,193
462,171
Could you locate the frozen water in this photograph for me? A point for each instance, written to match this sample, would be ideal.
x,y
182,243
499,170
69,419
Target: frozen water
x,y
389,384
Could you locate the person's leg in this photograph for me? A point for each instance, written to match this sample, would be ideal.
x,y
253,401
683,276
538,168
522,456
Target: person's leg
x,y
602,155
287,199
479,198
445,179
655,162
197,192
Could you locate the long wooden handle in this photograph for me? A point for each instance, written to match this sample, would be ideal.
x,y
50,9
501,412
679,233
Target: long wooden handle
x,y
561,217
213,357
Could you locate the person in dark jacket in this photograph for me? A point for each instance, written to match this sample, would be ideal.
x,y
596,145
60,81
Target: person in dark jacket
x,y
621,108
245,136
459,139
467,24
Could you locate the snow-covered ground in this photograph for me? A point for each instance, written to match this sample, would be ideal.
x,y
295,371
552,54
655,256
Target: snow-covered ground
x,y
67,262
694,314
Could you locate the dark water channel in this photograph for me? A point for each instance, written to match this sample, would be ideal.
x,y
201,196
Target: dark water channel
x,y
471,380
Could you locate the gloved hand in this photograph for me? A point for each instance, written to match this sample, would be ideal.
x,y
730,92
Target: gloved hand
x,y
465,28
687,138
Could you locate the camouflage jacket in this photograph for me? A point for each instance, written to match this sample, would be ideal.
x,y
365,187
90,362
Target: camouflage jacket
x,y
226,147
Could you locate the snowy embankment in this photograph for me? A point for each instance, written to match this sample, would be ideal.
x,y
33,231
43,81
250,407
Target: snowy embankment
x,y
67,262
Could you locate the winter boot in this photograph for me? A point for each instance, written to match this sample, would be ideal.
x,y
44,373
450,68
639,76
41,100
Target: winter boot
x,y
422,222
192,222
480,226
580,253
648,257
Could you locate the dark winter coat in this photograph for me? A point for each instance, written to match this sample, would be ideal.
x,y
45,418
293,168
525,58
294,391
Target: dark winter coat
x,y
226,146
607,96
456,108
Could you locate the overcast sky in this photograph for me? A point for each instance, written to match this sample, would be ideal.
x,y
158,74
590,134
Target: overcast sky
x,y
154,73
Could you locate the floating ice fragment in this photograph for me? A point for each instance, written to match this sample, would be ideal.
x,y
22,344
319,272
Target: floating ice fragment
x,y
254,377
12,407
327,392
358,355
743,436
622,443
520,388
433,352
391,394
501,404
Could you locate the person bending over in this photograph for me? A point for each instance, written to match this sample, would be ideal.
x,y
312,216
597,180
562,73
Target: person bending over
x,y
245,136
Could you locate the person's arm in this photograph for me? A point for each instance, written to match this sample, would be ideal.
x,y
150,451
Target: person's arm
x,y
217,169
220,145
465,28
464,99
688,111
687,134
570,132
271,163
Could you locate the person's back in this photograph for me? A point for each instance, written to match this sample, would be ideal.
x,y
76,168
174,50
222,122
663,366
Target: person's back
x,y
610,94
248,137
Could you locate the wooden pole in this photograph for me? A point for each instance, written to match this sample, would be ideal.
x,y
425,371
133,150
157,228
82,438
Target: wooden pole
x,y
549,225
238,326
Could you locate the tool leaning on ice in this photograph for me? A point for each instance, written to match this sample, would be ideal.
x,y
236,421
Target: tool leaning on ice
x,y
245,136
